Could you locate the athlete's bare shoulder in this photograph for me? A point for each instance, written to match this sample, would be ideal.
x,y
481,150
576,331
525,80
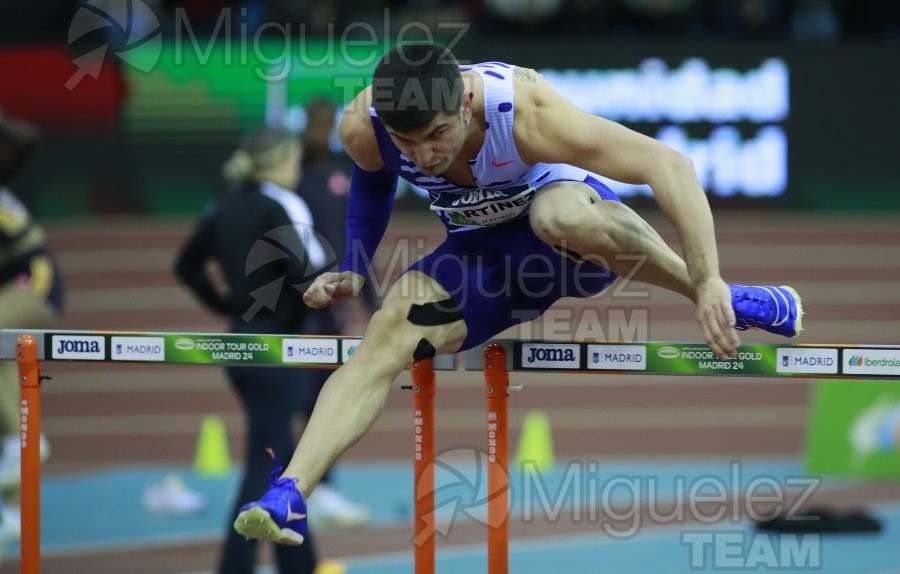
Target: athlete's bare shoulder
x,y
525,76
358,135
549,128
532,92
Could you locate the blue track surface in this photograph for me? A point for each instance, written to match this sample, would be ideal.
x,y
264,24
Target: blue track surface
x,y
102,511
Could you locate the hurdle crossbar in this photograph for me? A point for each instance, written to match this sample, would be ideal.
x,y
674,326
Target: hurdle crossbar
x,y
649,358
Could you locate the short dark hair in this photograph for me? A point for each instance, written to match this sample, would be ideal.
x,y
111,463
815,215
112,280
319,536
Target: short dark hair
x,y
413,83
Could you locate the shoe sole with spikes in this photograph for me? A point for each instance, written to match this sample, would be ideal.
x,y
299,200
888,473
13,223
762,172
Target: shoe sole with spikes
x,y
256,523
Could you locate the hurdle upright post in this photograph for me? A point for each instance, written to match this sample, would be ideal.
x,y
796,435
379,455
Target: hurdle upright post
x,y
423,389
496,381
30,440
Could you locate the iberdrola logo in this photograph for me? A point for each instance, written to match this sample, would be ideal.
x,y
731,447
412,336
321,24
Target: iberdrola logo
x,y
855,361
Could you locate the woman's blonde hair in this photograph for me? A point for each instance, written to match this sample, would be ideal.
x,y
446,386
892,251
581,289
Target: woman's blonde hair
x,y
257,151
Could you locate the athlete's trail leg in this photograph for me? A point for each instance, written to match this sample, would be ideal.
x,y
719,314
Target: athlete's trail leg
x,y
354,395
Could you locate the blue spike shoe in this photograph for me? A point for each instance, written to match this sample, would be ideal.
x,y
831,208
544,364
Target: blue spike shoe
x,y
774,309
280,515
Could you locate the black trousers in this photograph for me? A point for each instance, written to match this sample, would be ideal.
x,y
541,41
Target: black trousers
x,y
271,397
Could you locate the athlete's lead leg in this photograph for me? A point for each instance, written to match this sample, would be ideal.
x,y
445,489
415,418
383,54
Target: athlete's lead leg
x,y
348,405
571,217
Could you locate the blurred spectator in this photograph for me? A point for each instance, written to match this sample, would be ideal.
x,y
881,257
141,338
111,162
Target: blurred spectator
x,y
591,15
31,297
259,297
654,16
746,17
436,16
521,14
815,21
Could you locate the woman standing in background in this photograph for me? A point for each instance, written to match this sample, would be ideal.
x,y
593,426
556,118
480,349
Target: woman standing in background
x,y
260,234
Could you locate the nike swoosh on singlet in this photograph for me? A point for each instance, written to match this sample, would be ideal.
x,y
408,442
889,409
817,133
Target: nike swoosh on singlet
x,y
500,164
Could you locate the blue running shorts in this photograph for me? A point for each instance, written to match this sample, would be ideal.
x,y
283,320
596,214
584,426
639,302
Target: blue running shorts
x,y
505,275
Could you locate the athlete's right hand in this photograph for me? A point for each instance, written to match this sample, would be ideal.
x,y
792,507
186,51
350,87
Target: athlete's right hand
x,y
330,288
716,317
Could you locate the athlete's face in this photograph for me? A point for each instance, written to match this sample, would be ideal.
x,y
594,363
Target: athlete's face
x,y
434,146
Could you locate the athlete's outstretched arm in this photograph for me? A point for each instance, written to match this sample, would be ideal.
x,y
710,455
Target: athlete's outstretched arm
x,y
369,206
551,129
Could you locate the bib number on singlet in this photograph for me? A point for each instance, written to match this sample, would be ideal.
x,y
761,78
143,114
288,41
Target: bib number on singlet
x,y
484,207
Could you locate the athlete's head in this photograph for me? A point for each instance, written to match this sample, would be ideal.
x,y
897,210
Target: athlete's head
x,y
266,154
420,98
